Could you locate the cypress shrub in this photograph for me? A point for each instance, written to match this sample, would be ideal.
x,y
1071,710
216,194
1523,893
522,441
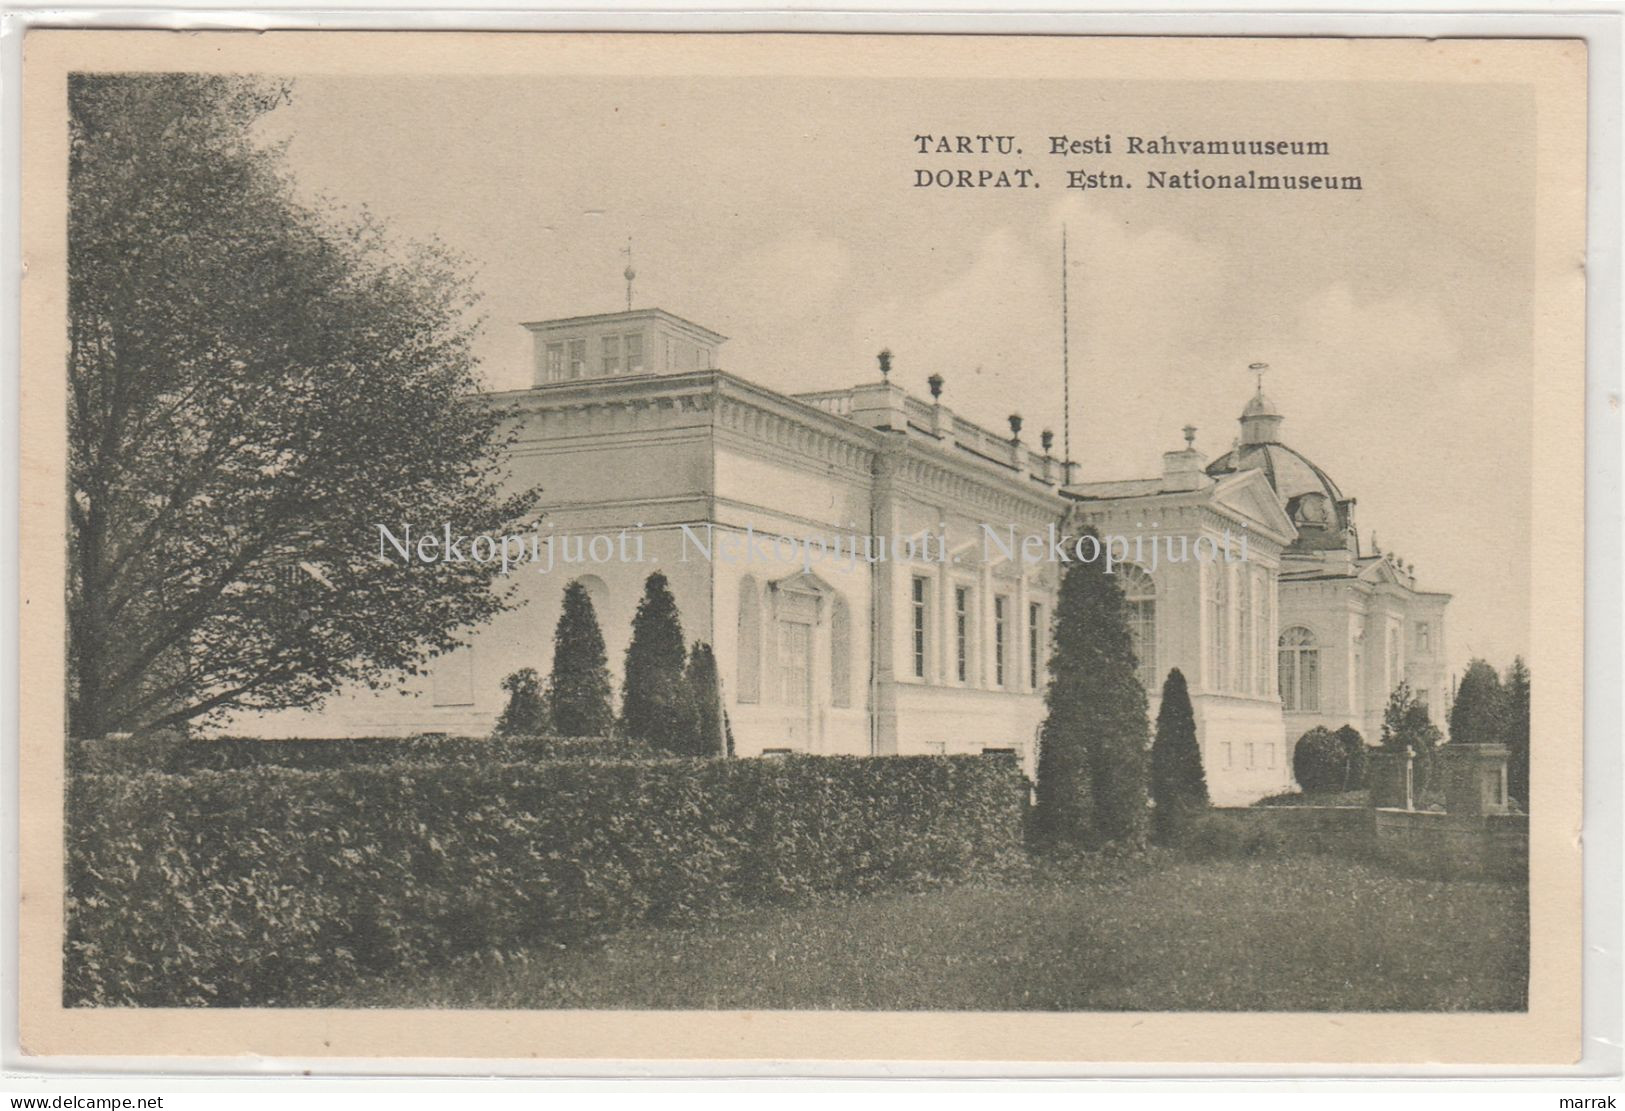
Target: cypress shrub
x,y
1178,784
656,706
710,734
526,711
1092,775
578,689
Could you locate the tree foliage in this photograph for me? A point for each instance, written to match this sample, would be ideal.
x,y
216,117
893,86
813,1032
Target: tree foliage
x,y
1516,689
255,384
655,703
1354,752
1178,784
709,736
1092,776
1320,761
525,715
579,687
1478,716
1407,724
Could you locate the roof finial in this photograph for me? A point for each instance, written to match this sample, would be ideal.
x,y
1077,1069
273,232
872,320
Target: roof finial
x,y
1258,370
1190,437
630,273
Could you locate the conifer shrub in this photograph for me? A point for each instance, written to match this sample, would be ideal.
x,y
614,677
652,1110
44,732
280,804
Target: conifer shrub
x,y
579,687
1178,783
657,705
526,711
1092,768
1354,757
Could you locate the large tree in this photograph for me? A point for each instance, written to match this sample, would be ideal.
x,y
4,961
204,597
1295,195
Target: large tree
x,y
656,705
578,693
256,385
1478,716
1516,689
1092,755
1178,783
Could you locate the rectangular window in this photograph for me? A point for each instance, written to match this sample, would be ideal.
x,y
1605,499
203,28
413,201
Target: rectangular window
x,y
634,352
1228,754
1034,623
612,354
1422,637
578,358
919,628
962,632
555,362
1249,754
999,605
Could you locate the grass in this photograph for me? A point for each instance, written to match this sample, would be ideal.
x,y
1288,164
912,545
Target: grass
x,y
1293,932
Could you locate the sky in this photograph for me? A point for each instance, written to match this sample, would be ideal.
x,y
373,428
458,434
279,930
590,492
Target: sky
x,y
782,212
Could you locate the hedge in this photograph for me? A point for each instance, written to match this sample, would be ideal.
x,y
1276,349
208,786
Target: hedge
x,y
273,886
177,755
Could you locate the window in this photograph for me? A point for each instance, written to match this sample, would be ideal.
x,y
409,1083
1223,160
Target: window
x,y
1000,606
795,663
1035,623
612,354
750,641
555,362
1244,633
1216,631
1229,755
1393,658
1261,635
1422,637
1299,665
1140,597
962,633
1250,754
634,352
840,654
919,627
578,358
1422,697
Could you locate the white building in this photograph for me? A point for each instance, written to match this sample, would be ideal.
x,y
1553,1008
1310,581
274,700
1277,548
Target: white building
x,y
651,458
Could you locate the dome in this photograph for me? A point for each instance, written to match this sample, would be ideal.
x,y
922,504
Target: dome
x,y
1315,504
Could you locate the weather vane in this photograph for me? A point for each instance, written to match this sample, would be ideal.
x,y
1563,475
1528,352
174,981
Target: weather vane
x,y
630,272
1258,370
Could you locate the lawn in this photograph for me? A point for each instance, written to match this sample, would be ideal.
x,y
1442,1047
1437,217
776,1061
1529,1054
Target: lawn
x,y
1292,932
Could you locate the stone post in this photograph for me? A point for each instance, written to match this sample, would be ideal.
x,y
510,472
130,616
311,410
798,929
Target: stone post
x,y
1390,774
1475,780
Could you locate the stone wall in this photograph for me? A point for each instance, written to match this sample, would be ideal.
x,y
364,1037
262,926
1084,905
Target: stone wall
x,y
1491,846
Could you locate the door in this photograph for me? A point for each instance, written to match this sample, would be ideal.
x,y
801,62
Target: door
x,y
795,682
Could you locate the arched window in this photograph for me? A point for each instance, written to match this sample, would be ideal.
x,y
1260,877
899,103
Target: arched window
x,y
1140,602
750,641
1262,597
1299,666
840,653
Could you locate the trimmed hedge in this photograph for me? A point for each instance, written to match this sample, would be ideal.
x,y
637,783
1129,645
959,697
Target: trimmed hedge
x,y
175,755
272,886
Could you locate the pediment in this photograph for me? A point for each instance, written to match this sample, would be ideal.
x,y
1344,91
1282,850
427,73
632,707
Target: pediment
x,y
1250,494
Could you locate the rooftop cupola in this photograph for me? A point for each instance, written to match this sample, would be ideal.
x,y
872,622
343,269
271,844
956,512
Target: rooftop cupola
x,y
1260,420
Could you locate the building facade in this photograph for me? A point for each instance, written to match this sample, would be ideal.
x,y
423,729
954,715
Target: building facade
x,y
876,575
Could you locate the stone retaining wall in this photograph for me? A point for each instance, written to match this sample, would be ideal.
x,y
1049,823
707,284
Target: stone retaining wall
x,y
1493,845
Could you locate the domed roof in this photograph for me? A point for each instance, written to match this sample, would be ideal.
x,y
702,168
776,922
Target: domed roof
x,y
1289,471
1315,504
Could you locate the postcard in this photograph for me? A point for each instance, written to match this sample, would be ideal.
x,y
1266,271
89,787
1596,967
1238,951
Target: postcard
x,y
674,547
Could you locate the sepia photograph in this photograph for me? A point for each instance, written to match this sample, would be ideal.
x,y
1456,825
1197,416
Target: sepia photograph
x,y
945,530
